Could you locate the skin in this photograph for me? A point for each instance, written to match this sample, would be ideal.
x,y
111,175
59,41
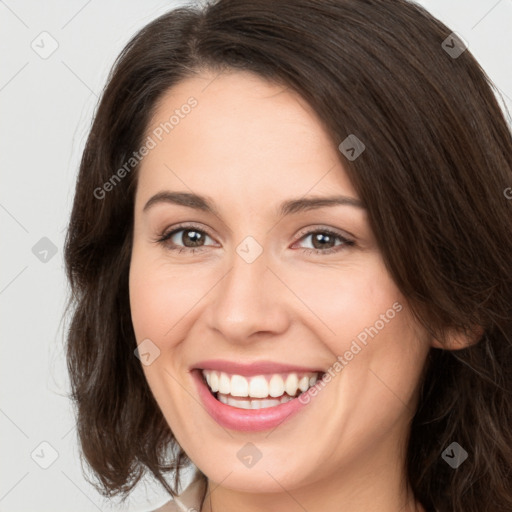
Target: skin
x,y
249,145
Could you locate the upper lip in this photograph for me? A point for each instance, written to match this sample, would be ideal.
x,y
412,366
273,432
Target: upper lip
x,y
253,368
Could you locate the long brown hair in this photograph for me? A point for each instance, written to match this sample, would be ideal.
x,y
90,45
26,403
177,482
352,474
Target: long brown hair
x,y
437,160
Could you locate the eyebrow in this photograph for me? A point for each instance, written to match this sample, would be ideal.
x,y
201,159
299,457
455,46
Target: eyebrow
x,y
288,207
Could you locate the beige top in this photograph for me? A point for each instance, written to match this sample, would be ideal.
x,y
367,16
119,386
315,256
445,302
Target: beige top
x,y
189,500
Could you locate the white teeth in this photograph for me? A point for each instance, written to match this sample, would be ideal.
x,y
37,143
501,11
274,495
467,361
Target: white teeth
x,y
214,381
253,404
276,386
303,383
269,403
239,386
258,386
292,383
241,404
224,384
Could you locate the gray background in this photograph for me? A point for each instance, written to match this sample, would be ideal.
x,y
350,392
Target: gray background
x,y
47,103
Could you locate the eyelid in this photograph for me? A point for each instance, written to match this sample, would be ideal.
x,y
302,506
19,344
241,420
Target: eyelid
x,y
168,233
320,227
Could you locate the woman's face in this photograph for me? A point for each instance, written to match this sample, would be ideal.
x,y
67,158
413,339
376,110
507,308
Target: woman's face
x,y
270,281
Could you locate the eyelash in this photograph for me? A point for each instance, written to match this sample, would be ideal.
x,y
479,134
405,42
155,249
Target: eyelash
x,y
163,239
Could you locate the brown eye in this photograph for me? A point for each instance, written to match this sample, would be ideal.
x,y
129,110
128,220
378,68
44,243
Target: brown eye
x,y
325,241
191,237
185,238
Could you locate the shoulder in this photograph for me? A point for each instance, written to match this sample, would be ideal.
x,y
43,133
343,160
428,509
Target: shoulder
x,y
189,499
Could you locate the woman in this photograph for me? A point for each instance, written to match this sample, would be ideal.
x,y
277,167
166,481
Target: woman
x,y
293,214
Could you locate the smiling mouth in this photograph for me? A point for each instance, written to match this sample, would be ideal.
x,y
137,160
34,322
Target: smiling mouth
x,y
259,391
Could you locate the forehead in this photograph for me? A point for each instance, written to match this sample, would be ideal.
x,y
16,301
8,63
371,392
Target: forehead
x,y
242,134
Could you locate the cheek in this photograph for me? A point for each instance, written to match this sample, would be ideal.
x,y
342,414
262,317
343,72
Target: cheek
x,y
151,304
347,300
163,296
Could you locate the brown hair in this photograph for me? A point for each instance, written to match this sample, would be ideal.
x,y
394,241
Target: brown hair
x,y
438,158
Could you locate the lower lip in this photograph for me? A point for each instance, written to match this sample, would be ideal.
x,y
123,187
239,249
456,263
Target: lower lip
x,y
248,420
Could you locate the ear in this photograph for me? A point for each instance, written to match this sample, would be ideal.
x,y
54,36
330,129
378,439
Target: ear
x,y
457,340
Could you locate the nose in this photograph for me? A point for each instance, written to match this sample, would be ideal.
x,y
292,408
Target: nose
x,y
249,302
